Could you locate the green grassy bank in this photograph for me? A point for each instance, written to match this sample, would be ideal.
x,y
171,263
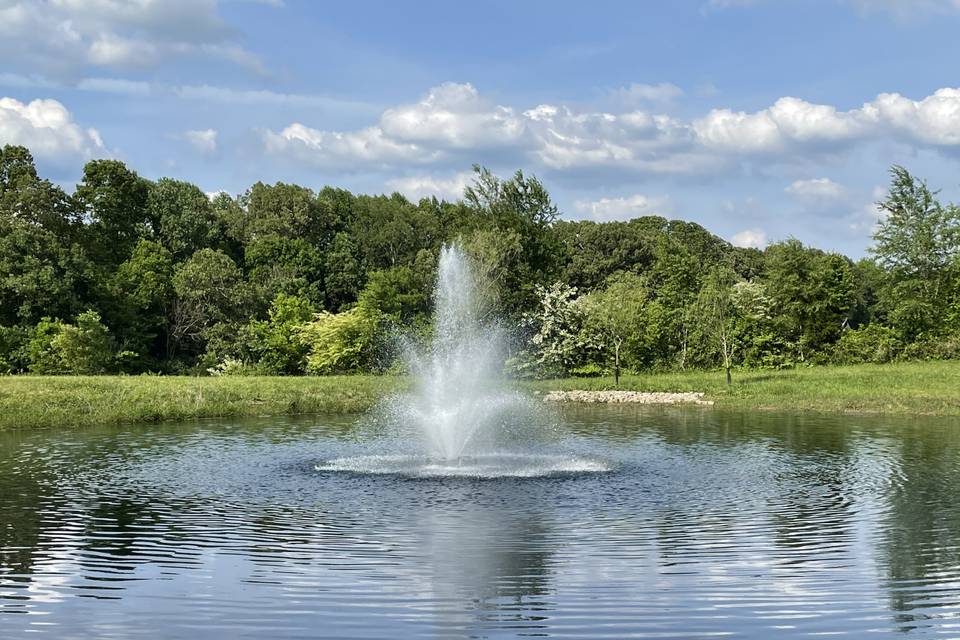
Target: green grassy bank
x,y
28,402
911,388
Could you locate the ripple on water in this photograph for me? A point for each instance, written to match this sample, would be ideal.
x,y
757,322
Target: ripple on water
x,y
651,525
489,466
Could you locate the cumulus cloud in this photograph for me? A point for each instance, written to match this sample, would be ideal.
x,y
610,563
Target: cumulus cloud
x,y
790,121
454,115
48,129
624,208
750,238
60,37
454,122
425,186
364,148
203,140
818,189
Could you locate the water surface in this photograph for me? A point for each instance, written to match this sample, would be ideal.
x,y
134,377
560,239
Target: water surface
x,y
707,524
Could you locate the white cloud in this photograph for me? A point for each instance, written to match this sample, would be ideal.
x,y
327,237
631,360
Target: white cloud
x,y
367,147
750,238
639,93
203,140
60,37
454,122
816,189
208,93
454,115
47,128
790,121
417,187
115,85
933,120
624,208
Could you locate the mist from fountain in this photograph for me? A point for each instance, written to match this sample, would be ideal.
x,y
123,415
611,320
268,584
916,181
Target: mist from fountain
x,y
461,418
458,396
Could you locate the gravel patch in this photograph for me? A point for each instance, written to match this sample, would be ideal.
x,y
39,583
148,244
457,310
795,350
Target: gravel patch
x,y
634,397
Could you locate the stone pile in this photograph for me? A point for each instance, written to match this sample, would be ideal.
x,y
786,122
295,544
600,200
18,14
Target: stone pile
x,y
634,397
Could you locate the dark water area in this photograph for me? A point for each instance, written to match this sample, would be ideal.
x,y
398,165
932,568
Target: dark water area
x,y
708,524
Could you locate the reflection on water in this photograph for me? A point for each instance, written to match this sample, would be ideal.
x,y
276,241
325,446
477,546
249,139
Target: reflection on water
x,y
710,523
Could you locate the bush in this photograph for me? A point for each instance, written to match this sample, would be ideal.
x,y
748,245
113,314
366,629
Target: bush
x,y
933,348
13,349
343,342
873,343
84,348
591,370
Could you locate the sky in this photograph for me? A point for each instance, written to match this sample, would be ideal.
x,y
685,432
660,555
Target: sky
x,y
759,119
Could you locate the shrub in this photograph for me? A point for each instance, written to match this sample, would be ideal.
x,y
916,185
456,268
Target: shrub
x,y
343,342
873,343
946,347
13,349
84,348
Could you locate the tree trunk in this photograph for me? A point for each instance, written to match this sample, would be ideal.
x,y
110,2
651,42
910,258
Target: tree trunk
x,y
729,379
616,365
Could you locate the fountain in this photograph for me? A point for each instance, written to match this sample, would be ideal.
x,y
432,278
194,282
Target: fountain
x,y
460,418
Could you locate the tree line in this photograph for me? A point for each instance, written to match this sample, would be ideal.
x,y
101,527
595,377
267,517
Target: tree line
x,y
129,275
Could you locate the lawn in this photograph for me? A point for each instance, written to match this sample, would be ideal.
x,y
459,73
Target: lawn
x,y
28,402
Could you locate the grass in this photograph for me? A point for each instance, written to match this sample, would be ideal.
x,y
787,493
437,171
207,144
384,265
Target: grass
x,y
911,388
31,402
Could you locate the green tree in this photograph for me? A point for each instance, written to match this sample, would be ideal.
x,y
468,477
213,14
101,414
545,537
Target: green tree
x,y
142,299
209,290
617,315
344,276
293,266
114,202
717,315
917,244
184,218
522,205
813,292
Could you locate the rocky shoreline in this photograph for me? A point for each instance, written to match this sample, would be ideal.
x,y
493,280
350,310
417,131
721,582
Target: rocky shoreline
x,y
628,397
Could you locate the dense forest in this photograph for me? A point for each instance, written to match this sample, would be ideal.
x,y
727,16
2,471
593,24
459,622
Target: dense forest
x,y
129,275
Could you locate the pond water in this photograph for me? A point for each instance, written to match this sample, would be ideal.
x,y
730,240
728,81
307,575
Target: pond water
x,y
705,523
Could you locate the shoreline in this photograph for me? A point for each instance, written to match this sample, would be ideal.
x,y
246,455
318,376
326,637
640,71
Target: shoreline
x,y
38,402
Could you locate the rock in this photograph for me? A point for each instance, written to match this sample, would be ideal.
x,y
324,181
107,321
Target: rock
x,y
633,397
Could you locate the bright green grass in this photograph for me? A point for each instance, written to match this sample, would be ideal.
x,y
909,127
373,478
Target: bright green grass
x,y
914,388
29,402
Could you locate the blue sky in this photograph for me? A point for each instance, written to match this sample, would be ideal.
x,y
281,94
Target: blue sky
x,y
759,119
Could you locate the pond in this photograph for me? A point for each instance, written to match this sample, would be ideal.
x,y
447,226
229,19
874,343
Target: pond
x,y
705,523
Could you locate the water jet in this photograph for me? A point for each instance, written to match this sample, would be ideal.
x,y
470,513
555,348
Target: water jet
x,y
461,418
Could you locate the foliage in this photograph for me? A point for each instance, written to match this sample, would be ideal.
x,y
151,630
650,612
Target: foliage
x,y
917,244
343,342
555,334
619,319
209,289
84,348
718,314
186,283
873,343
